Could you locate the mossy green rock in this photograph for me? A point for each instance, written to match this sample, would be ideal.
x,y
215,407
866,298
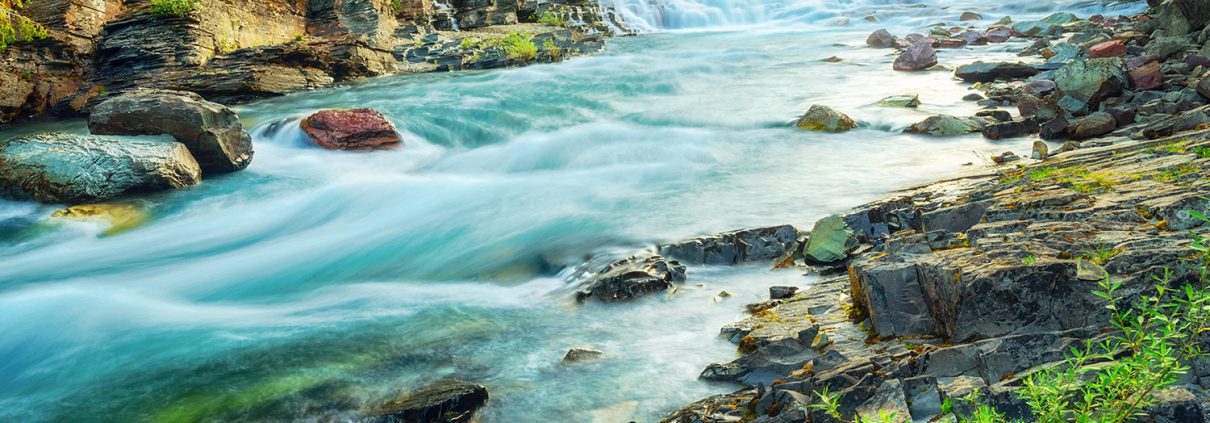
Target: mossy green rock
x,y
831,240
903,100
1092,80
825,119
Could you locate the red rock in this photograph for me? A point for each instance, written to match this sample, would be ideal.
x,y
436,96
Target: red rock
x,y
355,129
1147,77
999,34
1114,48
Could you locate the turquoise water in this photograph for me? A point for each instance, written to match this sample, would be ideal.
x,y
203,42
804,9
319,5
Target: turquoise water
x,y
318,284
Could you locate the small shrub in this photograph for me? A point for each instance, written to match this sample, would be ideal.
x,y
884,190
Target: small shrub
x,y
17,28
1031,259
397,6
519,46
468,43
551,18
173,8
1202,152
1100,254
552,49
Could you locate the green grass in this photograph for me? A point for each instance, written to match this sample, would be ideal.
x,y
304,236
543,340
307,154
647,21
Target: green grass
x,y
1044,172
1028,260
518,46
173,8
551,18
1100,254
16,28
468,43
1202,152
1173,174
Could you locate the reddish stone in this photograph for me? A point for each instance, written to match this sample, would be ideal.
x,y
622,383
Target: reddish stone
x,y
999,34
1147,77
951,43
1115,48
355,129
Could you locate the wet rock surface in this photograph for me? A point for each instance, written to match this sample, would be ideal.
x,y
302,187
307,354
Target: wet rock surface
x,y
443,402
353,129
632,278
60,168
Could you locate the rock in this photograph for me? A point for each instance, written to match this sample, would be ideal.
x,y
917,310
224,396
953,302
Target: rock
x,y
354,129
970,16
1041,151
1054,129
988,72
892,295
1163,47
903,100
888,400
69,168
738,247
1112,48
1040,87
1010,129
1124,115
1005,157
1093,125
766,364
831,240
972,97
919,56
881,39
212,132
577,355
1203,87
782,292
442,402
1176,404
974,38
995,115
1091,81
1147,77
945,126
632,278
999,34
825,119
1089,271
119,217
1181,16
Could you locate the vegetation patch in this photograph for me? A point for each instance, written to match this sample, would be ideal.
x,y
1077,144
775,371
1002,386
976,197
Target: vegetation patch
x,y
551,18
172,8
16,28
518,46
1101,254
1173,174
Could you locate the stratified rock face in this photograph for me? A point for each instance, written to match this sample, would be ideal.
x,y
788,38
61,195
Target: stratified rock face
x,y
735,247
825,119
1091,81
212,132
355,129
372,18
831,240
58,168
918,57
633,277
443,402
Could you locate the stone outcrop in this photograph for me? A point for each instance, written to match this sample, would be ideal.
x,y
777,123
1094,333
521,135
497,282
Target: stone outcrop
x,y
632,278
354,129
738,247
212,132
63,168
443,402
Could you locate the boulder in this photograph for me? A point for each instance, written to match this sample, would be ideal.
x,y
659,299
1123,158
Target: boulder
x,y
577,355
1203,87
1180,17
354,129
970,16
903,100
1040,87
999,34
974,38
945,126
443,402
1033,106
738,247
782,292
1147,77
825,119
58,168
988,72
919,56
212,132
632,278
1010,129
1093,125
1041,151
880,39
1092,80
1112,48
831,240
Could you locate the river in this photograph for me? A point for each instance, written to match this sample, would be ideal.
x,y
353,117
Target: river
x,y
317,284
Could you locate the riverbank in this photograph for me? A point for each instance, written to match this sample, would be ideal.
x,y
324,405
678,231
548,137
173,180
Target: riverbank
x,y
237,52
969,285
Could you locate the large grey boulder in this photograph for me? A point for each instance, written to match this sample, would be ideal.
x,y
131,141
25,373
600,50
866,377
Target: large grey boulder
x,y
211,131
946,126
57,168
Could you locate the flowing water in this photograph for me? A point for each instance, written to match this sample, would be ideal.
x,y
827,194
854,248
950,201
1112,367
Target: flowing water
x,y
319,283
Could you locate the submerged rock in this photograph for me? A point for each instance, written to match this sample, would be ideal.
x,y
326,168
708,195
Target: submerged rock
x,y
354,129
632,278
825,119
58,168
831,240
211,131
880,39
119,217
577,355
919,56
443,402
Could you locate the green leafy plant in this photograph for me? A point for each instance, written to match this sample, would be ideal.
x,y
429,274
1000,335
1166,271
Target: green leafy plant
x,y
1030,259
173,8
552,49
469,43
397,6
519,46
551,18
15,27
1100,254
